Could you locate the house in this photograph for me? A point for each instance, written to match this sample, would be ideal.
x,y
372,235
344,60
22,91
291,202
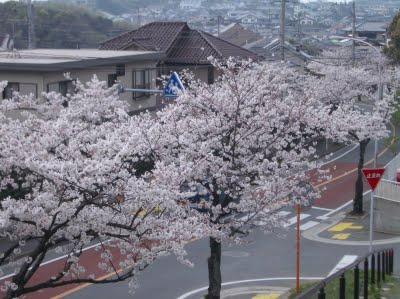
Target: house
x,y
184,48
373,31
42,70
239,35
190,4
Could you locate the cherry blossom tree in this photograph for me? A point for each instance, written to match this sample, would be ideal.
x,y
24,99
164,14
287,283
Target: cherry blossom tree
x,y
69,178
356,85
246,145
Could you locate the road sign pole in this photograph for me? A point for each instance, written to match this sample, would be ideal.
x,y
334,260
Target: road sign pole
x,y
373,177
298,208
371,221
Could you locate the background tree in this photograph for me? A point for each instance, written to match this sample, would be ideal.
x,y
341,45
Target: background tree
x,y
247,143
58,25
68,166
341,82
393,50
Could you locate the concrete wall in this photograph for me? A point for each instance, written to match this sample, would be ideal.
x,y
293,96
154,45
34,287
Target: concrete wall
x,y
43,79
387,215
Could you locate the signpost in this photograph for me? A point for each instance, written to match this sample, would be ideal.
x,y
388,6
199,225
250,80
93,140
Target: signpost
x,y
373,176
171,90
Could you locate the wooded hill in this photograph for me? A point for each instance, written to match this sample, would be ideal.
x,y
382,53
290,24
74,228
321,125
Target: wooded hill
x,y
57,25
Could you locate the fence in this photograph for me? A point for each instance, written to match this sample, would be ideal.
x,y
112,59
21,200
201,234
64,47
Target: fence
x,y
380,263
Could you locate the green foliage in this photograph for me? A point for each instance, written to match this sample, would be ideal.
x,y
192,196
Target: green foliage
x,y
393,50
58,25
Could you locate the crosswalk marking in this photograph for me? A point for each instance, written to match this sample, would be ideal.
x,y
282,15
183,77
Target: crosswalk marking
x,y
283,213
293,220
308,225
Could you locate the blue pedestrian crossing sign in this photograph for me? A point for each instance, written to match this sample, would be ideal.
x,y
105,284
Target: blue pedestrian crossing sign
x,y
173,87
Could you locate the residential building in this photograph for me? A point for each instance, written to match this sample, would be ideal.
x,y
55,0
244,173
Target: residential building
x,y
43,70
184,48
239,35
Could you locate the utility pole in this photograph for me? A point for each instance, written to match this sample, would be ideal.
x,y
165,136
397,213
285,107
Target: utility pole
x,y
282,29
219,23
354,32
31,25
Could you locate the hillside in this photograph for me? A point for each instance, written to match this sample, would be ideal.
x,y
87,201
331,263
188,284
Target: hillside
x,y
57,25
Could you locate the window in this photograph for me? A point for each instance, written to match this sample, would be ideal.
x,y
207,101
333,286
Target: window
x,y
120,70
63,87
141,80
112,79
28,89
10,89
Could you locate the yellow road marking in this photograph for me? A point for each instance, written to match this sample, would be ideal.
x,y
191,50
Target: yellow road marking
x,y
266,296
340,236
82,286
343,226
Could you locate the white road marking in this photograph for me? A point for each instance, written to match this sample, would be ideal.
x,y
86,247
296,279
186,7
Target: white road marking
x,y
283,213
308,225
293,220
342,206
56,259
188,294
321,209
345,261
340,156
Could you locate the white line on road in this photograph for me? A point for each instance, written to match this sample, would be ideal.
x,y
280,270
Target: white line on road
x,y
341,207
186,295
308,225
293,220
283,213
341,156
322,209
55,259
344,262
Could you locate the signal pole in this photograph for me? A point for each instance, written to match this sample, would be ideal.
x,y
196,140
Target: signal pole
x,y
282,28
31,25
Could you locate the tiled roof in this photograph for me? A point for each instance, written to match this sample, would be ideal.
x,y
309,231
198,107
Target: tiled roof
x,y
239,35
157,36
181,44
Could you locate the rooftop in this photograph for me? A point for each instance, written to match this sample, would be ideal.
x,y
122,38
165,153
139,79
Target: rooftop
x,y
181,44
59,59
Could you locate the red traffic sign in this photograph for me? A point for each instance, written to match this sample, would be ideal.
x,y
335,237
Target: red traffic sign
x,y
373,176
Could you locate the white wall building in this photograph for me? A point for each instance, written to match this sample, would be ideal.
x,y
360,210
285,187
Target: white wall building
x,y
42,70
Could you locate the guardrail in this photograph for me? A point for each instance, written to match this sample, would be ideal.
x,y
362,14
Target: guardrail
x,y
388,190
380,262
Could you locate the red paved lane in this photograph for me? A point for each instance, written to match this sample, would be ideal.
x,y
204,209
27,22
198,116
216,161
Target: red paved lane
x,y
89,260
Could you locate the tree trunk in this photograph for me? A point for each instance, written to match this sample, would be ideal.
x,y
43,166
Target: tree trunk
x,y
359,190
214,270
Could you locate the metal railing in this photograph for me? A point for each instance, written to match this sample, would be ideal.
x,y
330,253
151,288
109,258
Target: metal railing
x,y
388,190
379,262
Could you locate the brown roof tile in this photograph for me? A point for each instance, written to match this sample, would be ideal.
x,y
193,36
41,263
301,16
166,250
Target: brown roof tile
x,y
181,44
